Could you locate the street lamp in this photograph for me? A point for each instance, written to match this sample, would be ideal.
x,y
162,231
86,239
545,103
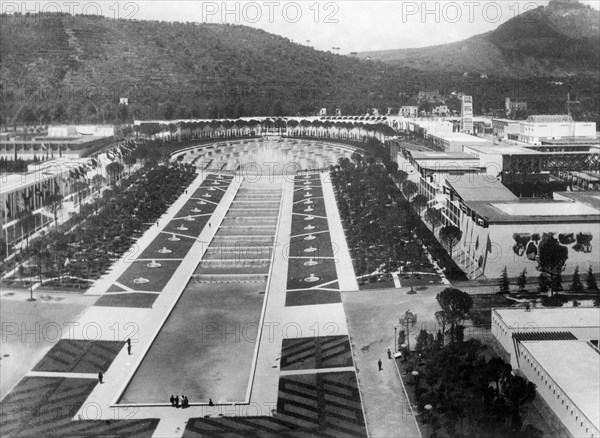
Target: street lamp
x,y
395,340
428,408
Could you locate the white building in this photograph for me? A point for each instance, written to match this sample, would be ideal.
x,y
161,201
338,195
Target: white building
x,y
556,349
538,128
409,111
458,141
501,231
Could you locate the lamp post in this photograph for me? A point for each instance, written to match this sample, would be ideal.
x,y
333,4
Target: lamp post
x,y
395,340
428,408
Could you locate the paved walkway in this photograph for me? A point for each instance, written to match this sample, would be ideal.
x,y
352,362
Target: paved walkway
x,y
371,324
344,267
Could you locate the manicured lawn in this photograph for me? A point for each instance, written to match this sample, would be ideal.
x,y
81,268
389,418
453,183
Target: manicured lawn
x,y
316,353
45,406
178,249
317,207
299,192
322,243
141,301
297,272
309,405
79,356
298,225
159,277
311,297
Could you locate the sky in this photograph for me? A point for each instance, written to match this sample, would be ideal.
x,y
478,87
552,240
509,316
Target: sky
x,y
339,26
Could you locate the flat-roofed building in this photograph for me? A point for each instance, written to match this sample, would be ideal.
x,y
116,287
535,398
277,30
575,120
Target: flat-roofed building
x,y
582,322
430,169
535,159
457,141
554,127
556,349
505,129
47,148
500,230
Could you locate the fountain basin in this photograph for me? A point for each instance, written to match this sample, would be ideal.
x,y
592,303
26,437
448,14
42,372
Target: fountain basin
x,y
141,280
311,278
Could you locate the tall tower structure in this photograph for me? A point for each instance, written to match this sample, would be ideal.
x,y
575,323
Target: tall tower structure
x,y
466,115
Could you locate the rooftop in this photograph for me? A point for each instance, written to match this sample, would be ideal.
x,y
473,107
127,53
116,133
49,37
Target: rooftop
x,y
590,198
79,139
459,136
504,150
436,155
46,170
558,118
481,188
574,366
545,319
534,211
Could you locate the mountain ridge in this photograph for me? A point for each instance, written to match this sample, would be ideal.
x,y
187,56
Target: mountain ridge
x,y
560,39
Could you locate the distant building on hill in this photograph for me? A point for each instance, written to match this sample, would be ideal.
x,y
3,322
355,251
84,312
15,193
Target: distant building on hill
x,y
514,106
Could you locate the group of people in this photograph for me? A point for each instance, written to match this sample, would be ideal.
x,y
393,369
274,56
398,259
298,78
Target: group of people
x,y
175,401
184,401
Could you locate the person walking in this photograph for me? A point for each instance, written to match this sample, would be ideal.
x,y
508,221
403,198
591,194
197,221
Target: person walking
x,y
100,377
389,354
380,364
129,349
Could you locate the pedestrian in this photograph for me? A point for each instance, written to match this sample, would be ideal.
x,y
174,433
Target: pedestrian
x,y
129,342
172,400
100,377
380,364
527,306
209,225
129,349
176,401
389,354
210,402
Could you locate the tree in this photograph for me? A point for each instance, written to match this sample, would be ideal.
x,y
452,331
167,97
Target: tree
x,y
442,318
433,216
497,370
522,280
576,284
409,188
503,283
543,283
54,203
408,322
419,202
591,280
552,257
456,304
450,235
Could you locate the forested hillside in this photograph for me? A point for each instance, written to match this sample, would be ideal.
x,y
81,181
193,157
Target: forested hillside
x,y
58,68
